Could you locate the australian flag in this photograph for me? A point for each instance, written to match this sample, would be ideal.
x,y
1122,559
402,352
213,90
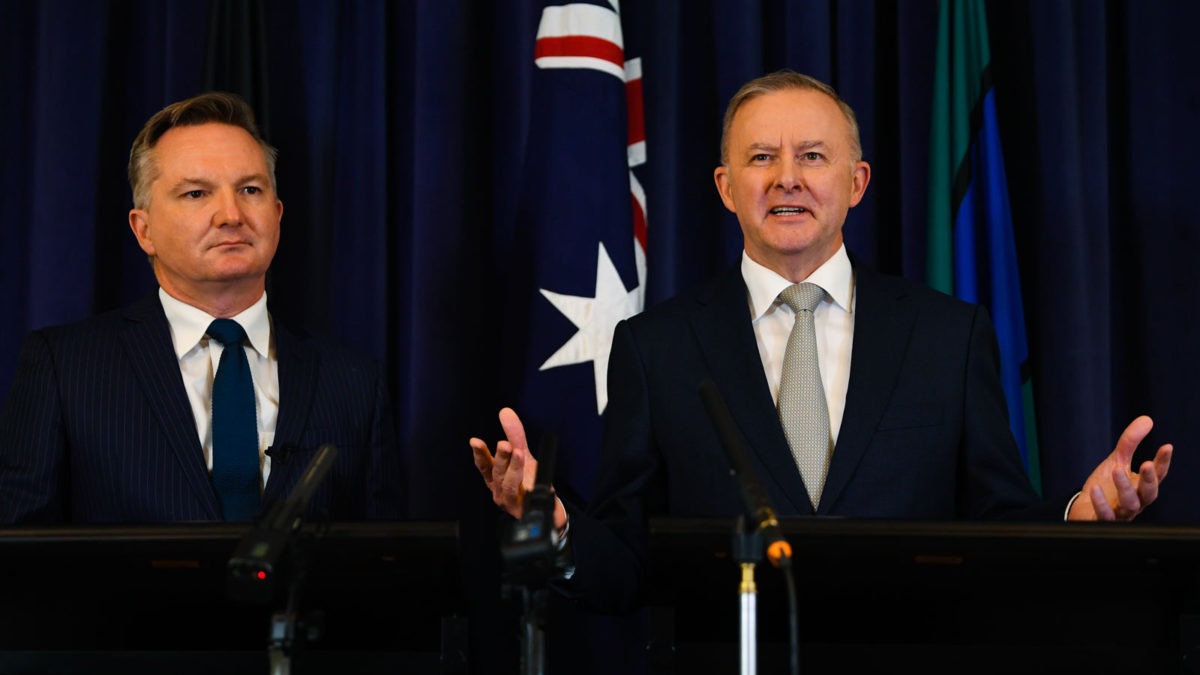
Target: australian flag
x,y
580,265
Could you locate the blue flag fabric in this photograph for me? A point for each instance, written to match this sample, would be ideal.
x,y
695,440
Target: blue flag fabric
x,y
580,230
972,253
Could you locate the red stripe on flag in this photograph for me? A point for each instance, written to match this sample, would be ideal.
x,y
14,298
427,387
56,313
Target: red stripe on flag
x,y
580,45
633,103
639,222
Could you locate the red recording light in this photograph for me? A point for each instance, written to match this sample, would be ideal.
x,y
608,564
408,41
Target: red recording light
x,y
262,575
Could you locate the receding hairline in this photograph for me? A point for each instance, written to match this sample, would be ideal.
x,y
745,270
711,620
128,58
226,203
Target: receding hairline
x,y
780,81
214,107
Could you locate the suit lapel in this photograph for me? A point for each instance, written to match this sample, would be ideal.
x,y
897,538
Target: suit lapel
x,y
731,352
147,343
298,365
883,318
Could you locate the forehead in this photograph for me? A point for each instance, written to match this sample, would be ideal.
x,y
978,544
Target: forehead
x,y
210,149
790,115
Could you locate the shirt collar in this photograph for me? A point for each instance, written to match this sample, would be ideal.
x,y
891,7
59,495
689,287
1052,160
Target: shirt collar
x,y
836,276
189,324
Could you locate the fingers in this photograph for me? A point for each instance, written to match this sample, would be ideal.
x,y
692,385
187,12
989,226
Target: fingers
x,y
511,471
516,480
1152,474
1131,437
1162,460
1129,503
514,431
1100,505
1147,487
483,458
500,465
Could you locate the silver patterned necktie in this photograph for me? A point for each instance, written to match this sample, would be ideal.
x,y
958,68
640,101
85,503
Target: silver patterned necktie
x,y
803,410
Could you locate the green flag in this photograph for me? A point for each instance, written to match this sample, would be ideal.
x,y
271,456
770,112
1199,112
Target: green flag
x,y
970,237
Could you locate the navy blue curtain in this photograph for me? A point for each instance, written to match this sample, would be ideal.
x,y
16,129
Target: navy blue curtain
x,y
402,127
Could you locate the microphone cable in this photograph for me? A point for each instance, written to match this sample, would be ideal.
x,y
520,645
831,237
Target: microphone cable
x,y
785,565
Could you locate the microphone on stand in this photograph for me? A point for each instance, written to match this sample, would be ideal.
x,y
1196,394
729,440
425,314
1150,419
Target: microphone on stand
x,y
760,512
758,506
255,561
529,558
529,552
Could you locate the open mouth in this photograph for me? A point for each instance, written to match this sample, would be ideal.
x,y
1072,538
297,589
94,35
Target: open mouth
x,y
788,210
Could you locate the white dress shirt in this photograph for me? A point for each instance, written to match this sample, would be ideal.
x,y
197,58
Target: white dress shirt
x,y
834,318
198,359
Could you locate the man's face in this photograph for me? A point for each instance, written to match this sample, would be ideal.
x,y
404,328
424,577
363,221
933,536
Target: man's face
x,y
212,223
791,178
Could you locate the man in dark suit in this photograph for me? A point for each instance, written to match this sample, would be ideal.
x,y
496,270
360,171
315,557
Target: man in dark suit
x,y
918,425
111,420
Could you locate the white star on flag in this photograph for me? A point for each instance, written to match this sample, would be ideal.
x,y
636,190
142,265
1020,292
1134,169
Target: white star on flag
x,y
596,318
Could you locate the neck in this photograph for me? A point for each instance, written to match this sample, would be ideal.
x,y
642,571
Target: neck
x,y
224,301
796,267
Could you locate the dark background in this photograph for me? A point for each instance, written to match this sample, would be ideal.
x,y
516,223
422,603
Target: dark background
x,y
402,128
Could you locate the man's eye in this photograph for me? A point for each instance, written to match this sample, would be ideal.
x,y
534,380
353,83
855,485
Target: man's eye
x,y
760,157
813,156
252,190
194,194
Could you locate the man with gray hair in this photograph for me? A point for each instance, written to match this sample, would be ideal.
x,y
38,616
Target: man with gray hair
x,y
855,394
194,404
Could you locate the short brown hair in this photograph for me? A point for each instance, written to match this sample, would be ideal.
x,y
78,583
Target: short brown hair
x,y
215,106
782,80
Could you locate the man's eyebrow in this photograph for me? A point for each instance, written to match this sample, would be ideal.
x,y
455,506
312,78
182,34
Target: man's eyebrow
x,y
803,145
190,181
253,178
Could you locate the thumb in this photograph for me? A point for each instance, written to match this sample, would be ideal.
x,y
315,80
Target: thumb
x,y
1131,438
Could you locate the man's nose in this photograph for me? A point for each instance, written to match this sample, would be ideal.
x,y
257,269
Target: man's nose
x,y
229,210
789,177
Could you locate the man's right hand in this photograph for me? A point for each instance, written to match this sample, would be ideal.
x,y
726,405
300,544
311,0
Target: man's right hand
x,y
511,472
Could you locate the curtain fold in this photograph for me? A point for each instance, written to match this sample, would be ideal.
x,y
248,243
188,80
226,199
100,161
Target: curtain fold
x,y
402,130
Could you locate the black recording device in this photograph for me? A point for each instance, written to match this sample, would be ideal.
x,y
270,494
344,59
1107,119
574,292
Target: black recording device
x,y
528,550
256,561
758,505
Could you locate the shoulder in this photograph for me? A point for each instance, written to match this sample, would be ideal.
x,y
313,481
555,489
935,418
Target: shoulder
x,y
722,293
328,351
104,326
873,287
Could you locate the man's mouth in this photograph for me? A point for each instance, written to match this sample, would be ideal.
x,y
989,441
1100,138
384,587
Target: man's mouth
x,y
788,210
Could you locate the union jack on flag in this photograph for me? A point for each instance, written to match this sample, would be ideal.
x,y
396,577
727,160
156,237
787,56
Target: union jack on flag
x,y
582,224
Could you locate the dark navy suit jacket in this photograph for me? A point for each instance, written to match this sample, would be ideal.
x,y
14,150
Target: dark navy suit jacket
x,y
97,428
924,435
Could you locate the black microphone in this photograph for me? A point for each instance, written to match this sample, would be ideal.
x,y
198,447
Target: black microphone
x,y
758,505
281,453
253,565
529,553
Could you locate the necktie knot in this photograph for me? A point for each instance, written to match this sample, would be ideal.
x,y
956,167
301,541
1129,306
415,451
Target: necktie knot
x,y
802,297
227,332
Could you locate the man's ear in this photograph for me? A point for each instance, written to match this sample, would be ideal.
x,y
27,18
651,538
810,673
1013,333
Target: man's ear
x,y
140,224
724,186
862,176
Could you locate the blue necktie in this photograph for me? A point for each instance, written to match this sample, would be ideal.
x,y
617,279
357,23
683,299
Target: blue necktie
x,y
235,467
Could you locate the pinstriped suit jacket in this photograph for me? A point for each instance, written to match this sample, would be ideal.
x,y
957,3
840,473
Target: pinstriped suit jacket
x,y
97,428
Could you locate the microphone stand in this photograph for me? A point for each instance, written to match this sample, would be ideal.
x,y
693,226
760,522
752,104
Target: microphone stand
x,y
529,556
747,552
748,549
260,558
